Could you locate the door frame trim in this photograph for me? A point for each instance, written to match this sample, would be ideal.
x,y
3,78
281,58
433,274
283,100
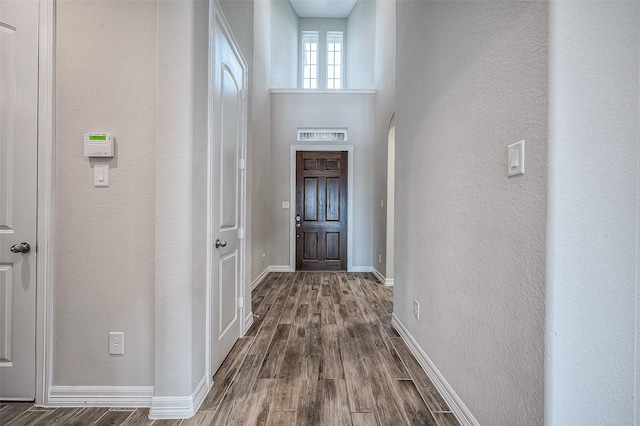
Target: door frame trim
x,y
45,247
216,17
292,212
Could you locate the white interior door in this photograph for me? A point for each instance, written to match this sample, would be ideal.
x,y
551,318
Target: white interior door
x,y
18,161
229,111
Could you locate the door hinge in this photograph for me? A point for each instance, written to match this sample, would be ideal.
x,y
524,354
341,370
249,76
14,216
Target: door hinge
x,y
243,95
240,302
242,164
241,233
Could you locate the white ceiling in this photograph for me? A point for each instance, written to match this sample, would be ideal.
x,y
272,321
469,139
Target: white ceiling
x,y
323,8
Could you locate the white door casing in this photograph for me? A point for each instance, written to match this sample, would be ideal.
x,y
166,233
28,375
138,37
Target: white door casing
x,y
227,143
18,195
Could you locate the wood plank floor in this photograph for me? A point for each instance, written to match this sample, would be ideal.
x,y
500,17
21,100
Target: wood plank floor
x,y
322,352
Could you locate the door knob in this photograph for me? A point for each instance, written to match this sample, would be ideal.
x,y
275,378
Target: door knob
x,y
298,225
21,248
221,243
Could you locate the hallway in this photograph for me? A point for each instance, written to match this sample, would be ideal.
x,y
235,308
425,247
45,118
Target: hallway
x,y
322,352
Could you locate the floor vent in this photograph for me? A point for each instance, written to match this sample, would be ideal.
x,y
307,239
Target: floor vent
x,y
322,135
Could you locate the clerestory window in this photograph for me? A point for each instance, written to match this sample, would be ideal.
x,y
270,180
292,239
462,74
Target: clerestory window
x,y
322,64
310,59
334,60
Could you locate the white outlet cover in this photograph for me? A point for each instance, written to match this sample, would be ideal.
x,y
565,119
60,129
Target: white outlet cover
x,y
285,204
116,343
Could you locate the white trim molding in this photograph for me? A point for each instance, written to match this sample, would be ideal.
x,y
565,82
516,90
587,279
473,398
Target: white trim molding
x,y
324,91
200,392
267,271
248,322
272,268
292,195
452,399
388,282
281,268
46,200
378,274
100,396
255,283
360,269
180,407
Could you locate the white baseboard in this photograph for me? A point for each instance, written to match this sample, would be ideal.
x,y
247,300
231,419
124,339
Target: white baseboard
x,y
259,278
179,407
361,269
378,275
200,393
100,396
456,405
287,268
281,268
248,321
267,270
388,282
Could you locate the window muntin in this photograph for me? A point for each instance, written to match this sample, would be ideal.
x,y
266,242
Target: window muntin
x,y
334,59
310,59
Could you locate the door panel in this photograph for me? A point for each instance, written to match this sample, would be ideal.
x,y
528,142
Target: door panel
x,y
6,318
7,122
333,246
18,164
229,111
311,199
333,200
321,215
230,115
310,246
228,267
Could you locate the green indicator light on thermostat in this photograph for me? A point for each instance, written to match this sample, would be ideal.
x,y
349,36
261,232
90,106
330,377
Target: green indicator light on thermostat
x,y
98,138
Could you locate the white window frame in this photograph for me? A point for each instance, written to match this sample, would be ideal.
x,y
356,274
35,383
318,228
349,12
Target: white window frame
x,y
322,66
303,52
340,78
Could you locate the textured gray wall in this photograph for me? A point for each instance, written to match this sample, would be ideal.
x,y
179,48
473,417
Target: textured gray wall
x,y
105,82
354,111
592,278
470,242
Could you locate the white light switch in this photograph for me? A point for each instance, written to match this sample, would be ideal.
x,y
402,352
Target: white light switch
x,y
285,204
101,175
515,162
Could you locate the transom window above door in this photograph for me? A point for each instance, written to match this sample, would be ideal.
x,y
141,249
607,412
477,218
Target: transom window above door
x,y
322,60
310,60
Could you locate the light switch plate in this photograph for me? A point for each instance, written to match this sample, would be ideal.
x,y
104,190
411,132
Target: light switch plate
x,y
515,159
285,204
101,175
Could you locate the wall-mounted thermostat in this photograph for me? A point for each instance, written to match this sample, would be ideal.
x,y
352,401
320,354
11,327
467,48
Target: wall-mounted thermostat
x,y
98,145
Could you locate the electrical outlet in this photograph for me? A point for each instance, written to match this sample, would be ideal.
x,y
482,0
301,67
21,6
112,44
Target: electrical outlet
x,y
379,258
416,309
116,343
264,255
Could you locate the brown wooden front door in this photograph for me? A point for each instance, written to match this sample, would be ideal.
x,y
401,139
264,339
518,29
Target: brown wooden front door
x,y
321,211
